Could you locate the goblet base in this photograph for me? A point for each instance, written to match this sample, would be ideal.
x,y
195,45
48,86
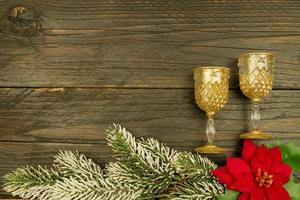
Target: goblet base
x,y
210,149
256,134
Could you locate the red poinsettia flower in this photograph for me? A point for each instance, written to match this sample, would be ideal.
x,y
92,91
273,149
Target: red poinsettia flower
x,y
259,175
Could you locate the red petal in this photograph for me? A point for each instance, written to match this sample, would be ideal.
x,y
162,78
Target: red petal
x,y
244,196
275,154
243,183
282,173
277,193
224,175
281,168
249,150
258,193
237,167
262,159
279,180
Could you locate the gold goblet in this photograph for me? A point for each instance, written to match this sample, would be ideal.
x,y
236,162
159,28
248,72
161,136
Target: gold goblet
x,y
256,80
211,94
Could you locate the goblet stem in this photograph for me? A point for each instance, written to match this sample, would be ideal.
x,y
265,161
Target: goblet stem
x,y
210,130
255,115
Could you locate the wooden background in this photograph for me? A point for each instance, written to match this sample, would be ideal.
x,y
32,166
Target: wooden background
x,y
98,62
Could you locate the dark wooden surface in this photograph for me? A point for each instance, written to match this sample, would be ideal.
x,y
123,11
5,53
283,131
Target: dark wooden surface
x,y
130,62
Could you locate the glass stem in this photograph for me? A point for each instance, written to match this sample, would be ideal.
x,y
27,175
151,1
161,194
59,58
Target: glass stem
x,y
255,115
210,131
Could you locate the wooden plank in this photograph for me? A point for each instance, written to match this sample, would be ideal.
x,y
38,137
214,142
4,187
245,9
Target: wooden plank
x,y
155,15
91,59
19,154
138,44
81,115
148,44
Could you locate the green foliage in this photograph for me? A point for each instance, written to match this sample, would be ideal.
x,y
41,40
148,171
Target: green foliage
x,y
73,163
229,194
193,164
144,169
75,178
195,190
30,182
197,182
145,163
87,181
80,187
293,188
291,154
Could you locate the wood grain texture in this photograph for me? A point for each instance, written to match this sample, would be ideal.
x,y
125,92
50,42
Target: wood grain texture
x,y
153,44
81,115
101,62
36,123
91,14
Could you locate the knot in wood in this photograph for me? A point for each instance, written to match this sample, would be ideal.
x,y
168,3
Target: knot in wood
x,y
22,21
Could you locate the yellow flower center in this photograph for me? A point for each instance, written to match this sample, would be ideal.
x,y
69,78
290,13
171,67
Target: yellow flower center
x,y
263,178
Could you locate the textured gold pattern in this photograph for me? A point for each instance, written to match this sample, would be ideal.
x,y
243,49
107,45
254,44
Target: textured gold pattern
x,y
256,81
256,88
211,89
211,94
256,75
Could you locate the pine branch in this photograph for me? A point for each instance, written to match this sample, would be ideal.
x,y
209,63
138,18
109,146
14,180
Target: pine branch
x,y
30,182
145,169
87,181
196,190
126,148
76,178
78,188
72,163
144,163
197,181
187,163
162,156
